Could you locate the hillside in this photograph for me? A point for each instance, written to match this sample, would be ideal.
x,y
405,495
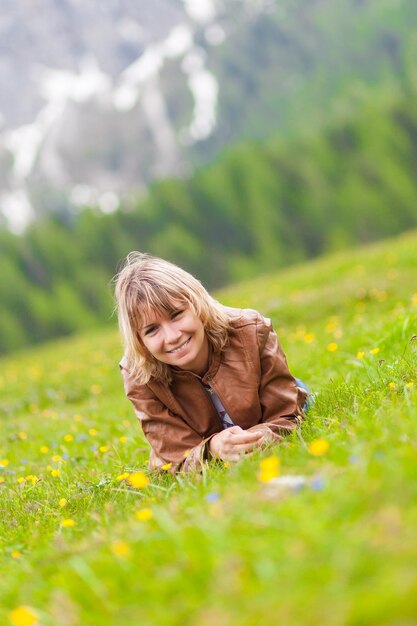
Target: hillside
x,y
79,547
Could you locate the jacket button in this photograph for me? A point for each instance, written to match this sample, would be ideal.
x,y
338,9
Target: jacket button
x,y
208,377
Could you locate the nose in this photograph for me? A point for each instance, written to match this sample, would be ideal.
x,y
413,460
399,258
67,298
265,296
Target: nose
x,y
171,334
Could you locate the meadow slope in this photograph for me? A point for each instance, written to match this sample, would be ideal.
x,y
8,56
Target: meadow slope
x,y
81,546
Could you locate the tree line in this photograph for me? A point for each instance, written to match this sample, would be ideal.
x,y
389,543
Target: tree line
x,y
260,206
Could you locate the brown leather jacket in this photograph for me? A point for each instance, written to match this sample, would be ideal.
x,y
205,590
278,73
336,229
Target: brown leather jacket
x,y
250,377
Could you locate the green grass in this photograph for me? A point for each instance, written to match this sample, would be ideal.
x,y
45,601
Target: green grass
x,y
222,547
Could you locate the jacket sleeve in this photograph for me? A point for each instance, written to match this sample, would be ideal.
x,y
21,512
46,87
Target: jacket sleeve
x,y
172,440
281,400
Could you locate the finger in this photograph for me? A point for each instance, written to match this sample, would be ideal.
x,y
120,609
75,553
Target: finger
x,y
242,448
236,452
245,437
235,429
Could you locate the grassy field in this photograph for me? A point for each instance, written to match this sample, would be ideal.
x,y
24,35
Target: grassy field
x,y
81,546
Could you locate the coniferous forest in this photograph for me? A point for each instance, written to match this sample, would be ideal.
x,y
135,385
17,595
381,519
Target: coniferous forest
x,y
260,206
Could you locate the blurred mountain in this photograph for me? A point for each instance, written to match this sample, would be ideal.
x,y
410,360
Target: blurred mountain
x,y
98,99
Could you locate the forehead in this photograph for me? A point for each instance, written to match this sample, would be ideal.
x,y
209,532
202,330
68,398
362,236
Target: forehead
x,y
150,314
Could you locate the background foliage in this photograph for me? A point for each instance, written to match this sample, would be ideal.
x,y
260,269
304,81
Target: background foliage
x,y
259,207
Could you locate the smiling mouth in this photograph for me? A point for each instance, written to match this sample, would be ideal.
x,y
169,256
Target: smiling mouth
x,y
183,345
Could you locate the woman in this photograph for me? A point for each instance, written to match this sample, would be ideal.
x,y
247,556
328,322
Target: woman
x,y
206,381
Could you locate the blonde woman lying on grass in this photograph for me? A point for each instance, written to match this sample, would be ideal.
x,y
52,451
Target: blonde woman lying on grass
x,y
206,381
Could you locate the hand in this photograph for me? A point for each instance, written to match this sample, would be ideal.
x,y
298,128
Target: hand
x,y
231,443
267,434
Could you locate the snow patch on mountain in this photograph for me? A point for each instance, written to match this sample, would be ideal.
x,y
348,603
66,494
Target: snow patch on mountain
x,y
201,11
39,150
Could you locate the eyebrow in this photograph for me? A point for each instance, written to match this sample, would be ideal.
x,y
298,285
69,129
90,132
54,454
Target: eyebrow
x,y
170,311
154,322
147,326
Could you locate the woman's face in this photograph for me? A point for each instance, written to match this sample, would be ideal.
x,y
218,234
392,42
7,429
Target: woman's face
x,y
176,338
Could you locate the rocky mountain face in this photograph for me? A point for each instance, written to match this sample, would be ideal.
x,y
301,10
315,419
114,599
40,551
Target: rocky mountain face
x,y
84,115
97,99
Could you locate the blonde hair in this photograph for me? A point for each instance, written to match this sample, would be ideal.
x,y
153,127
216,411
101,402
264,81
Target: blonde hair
x,y
146,283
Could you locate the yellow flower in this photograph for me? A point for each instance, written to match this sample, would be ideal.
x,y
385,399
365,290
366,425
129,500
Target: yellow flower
x,y
167,466
55,473
20,479
269,469
410,384
374,351
56,458
122,439
120,548
332,347
414,299
270,463
138,480
123,476
68,438
33,479
331,325
143,515
24,616
67,523
62,502
360,355
22,435
4,463
318,447
92,432
392,385
44,449
104,448
1,480
16,554
309,337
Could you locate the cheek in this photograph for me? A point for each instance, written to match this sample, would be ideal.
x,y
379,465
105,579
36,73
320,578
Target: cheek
x,y
200,332
149,344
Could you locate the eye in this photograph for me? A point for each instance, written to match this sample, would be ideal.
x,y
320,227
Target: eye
x,y
150,330
177,313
